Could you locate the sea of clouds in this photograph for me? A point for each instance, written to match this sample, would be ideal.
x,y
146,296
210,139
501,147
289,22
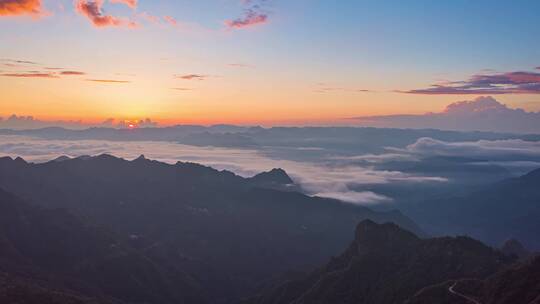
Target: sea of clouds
x,y
333,176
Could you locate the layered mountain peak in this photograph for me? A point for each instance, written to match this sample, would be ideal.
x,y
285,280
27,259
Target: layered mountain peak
x,y
532,176
372,236
61,158
275,176
387,264
141,158
513,247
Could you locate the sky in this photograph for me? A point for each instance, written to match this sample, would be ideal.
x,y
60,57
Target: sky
x,y
267,62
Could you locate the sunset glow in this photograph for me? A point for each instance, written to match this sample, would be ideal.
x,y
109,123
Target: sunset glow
x,y
255,62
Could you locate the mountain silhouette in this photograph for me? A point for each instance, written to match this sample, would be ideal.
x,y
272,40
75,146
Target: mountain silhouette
x,y
229,232
387,264
51,255
517,283
494,213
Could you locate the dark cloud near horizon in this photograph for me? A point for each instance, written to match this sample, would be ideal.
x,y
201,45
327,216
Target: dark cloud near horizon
x,y
492,84
192,77
323,87
72,73
32,74
480,114
19,61
108,81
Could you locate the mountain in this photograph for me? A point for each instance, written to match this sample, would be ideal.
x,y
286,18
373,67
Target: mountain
x,y
51,256
343,139
518,283
493,213
387,264
227,232
277,179
513,247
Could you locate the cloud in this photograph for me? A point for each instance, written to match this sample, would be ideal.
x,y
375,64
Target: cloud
x,y
250,18
21,7
326,179
182,89
170,20
108,81
239,65
15,61
511,149
493,84
328,88
29,122
93,10
129,124
192,77
130,3
30,75
253,15
480,114
72,73
354,197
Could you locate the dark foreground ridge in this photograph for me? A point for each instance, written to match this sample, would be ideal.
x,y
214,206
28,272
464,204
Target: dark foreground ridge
x,y
387,264
180,233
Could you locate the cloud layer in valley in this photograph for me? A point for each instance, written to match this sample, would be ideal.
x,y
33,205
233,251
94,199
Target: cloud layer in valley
x,y
480,114
515,149
332,179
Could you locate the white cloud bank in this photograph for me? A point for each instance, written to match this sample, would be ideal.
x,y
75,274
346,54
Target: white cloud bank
x,y
511,149
480,114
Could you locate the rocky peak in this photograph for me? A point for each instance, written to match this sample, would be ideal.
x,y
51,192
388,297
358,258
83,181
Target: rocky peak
x,y
274,176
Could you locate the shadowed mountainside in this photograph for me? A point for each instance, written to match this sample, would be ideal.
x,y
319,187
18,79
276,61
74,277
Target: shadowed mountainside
x,y
226,231
386,264
494,213
518,283
51,256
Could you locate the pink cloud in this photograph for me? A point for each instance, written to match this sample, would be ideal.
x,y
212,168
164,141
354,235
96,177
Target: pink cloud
x,y
251,17
72,73
93,10
170,20
494,84
254,14
130,3
20,7
150,18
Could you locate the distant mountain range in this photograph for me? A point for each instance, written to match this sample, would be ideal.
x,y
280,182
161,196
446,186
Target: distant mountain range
x,y
352,139
211,232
